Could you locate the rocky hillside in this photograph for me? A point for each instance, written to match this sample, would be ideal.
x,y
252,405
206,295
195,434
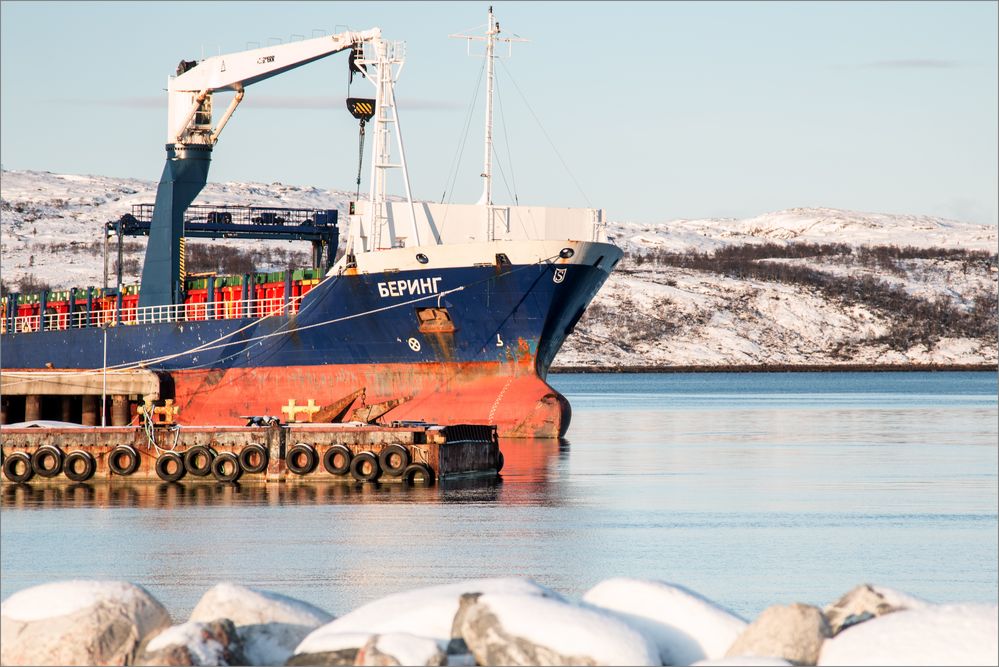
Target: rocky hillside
x,y
811,286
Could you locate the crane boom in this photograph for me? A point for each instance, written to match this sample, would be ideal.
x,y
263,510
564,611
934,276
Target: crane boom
x,y
189,92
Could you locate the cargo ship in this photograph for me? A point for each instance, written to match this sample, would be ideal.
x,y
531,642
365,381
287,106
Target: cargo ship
x,y
440,313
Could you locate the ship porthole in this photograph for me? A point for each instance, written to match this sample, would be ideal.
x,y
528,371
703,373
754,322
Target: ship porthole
x,y
421,258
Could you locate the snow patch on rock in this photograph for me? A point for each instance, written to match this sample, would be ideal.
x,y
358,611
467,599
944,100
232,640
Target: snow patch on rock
x,y
425,612
958,634
324,640
685,626
571,631
246,606
62,598
205,651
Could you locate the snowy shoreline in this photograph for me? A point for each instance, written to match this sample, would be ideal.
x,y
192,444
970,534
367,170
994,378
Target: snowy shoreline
x,y
781,368
505,621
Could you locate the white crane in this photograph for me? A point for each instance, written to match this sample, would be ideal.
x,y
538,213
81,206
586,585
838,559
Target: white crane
x,y
190,92
191,137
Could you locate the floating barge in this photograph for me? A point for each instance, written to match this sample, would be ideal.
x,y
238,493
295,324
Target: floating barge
x,y
414,453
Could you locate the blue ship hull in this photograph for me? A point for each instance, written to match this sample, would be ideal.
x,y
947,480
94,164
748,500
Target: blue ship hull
x,y
353,333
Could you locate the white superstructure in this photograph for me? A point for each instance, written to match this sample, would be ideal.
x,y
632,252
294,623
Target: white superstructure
x,y
379,224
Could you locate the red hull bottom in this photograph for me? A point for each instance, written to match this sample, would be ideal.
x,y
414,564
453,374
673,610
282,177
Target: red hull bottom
x,y
510,395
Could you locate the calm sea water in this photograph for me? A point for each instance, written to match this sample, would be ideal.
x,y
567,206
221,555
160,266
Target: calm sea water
x,y
753,489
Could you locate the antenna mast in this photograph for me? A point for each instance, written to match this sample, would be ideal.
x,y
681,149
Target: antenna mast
x,y
492,29
386,59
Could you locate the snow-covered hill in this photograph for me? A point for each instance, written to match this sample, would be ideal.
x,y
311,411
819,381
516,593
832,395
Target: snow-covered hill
x,y
811,225
658,312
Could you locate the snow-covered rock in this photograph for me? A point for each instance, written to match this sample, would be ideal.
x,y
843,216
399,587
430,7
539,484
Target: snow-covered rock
x,y
425,612
866,602
400,648
686,626
793,632
516,629
955,634
270,625
330,648
194,643
742,661
78,623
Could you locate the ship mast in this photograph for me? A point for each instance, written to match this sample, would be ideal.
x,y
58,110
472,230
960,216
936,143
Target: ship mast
x,y
492,29
487,160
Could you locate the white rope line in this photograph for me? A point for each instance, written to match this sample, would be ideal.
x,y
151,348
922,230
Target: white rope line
x,y
209,346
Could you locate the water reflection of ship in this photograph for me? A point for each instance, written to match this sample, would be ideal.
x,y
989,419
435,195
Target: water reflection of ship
x,y
532,463
163,495
531,468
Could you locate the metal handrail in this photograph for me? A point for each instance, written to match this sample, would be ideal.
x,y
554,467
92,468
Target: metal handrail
x,y
180,312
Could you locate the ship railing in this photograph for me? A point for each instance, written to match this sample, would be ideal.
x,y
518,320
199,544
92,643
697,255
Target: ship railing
x,y
24,323
209,310
181,312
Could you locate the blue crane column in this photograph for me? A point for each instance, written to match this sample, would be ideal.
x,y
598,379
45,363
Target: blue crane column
x,y
184,176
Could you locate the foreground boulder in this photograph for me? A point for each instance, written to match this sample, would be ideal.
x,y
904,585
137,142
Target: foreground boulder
x,y
193,643
743,661
424,612
685,626
793,632
400,649
330,648
866,602
511,629
957,634
78,623
269,625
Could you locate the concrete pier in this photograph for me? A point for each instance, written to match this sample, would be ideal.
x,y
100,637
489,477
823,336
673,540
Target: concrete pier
x,y
32,407
120,415
91,410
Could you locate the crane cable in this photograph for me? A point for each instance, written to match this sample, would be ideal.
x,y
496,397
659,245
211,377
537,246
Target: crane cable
x,y
360,159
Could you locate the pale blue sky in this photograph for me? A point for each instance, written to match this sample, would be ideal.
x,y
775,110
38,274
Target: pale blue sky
x,y
662,110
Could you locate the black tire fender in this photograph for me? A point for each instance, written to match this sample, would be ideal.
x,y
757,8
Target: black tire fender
x,y
163,462
129,454
418,474
365,461
41,455
73,471
246,458
291,459
387,459
10,467
224,461
500,461
192,457
330,458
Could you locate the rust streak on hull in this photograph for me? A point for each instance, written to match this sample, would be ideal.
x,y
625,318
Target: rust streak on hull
x,y
508,395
